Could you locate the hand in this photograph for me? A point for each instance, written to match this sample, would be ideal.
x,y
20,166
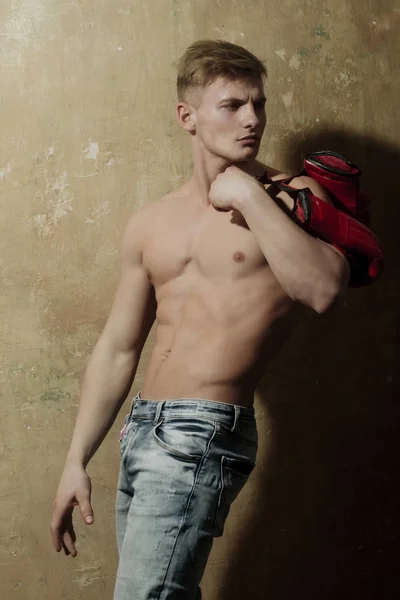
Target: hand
x,y
230,185
74,489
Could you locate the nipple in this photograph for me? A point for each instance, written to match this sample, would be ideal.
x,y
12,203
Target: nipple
x,y
239,256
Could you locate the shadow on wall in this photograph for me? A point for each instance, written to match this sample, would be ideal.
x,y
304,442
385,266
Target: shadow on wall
x,y
327,519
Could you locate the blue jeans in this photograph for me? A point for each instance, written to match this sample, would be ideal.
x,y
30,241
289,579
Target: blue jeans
x,y
183,463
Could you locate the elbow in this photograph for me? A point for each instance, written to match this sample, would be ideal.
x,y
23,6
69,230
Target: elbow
x,y
332,297
328,303
327,291
322,301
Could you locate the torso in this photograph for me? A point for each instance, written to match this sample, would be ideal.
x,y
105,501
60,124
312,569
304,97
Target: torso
x,y
221,313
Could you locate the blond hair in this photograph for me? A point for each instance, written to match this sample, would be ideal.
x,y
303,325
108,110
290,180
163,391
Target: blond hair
x,y
207,60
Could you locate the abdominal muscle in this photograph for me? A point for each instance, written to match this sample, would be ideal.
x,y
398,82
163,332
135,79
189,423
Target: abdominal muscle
x,y
215,342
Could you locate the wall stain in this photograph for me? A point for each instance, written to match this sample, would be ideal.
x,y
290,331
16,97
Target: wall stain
x,y
55,395
320,32
302,52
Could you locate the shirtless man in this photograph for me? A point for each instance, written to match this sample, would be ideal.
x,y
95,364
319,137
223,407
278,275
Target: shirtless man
x,y
221,268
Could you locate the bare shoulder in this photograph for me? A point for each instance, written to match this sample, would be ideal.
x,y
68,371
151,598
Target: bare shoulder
x,y
300,182
276,175
143,221
145,215
139,226
140,218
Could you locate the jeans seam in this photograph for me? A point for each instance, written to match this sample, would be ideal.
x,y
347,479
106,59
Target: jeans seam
x,y
186,508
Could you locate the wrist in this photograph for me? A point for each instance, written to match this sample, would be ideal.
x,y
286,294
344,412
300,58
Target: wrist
x,y
76,460
255,193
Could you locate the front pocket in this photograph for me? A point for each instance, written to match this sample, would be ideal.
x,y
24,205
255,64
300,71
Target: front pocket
x,y
234,475
187,439
124,436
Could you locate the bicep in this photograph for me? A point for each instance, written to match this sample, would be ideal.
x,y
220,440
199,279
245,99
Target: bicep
x,y
318,190
133,310
344,266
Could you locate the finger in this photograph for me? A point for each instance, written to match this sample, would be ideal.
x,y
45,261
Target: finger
x,y
86,510
55,530
56,538
56,542
73,536
71,531
69,544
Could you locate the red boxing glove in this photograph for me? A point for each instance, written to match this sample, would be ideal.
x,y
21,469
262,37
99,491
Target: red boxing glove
x,y
341,179
343,225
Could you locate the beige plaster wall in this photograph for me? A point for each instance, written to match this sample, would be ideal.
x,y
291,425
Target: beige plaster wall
x,y
88,133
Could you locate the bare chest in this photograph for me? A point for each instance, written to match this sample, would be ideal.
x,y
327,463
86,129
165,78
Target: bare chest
x,y
207,241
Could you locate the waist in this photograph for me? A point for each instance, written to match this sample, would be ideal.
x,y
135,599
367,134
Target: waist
x,y
200,407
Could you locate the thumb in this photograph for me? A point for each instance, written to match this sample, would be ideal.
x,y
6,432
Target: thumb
x,y
86,510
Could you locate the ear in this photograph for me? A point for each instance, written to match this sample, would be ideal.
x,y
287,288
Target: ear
x,y
186,117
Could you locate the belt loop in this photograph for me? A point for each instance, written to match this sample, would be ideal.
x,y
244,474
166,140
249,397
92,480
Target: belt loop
x,y
237,415
158,412
133,404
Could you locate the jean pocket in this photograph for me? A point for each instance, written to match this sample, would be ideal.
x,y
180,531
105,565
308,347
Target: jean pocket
x,y
187,439
234,475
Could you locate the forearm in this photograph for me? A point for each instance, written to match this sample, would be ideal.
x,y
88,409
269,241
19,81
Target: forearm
x,y
106,383
308,270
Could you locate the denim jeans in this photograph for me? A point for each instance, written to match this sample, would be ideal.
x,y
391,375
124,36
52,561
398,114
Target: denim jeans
x,y
183,463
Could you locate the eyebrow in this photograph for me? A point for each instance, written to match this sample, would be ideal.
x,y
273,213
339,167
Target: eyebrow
x,y
240,101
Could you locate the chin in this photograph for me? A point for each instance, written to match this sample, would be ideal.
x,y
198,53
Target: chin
x,y
249,152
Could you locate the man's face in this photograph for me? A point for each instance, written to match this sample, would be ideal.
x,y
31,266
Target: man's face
x,y
229,111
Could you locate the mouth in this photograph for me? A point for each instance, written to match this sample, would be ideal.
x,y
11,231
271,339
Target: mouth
x,y
249,138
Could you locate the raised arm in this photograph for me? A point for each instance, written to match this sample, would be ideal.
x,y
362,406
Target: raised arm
x,y
108,378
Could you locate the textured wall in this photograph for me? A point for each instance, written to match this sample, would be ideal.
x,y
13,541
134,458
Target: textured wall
x,y
88,133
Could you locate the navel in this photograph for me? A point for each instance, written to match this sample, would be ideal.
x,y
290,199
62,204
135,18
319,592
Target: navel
x,y
239,256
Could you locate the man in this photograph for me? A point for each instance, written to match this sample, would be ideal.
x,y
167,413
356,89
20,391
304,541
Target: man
x,y
222,268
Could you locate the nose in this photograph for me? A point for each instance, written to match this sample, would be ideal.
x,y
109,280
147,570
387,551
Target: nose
x,y
252,116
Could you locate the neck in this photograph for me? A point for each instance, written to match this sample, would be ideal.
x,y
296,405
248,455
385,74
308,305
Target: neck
x,y
207,168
